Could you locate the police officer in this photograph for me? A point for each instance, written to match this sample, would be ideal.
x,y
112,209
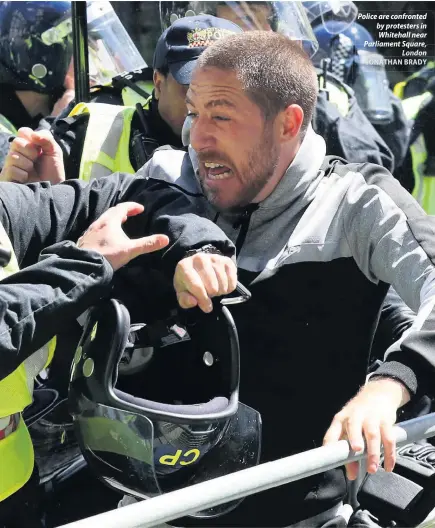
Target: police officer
x,y
338,117
36,70
417,94
50,288
351,57
121,127
32,70
69,277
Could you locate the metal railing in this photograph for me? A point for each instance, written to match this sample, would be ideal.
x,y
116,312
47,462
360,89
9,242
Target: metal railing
x,y
153,512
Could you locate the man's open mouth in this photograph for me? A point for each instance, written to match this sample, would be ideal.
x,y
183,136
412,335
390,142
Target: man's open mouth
x,y
216,171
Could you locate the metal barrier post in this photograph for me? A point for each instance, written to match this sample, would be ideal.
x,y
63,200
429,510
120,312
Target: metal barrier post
x,y
153,512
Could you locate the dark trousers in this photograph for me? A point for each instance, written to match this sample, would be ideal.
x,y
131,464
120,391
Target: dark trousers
x,y
23,508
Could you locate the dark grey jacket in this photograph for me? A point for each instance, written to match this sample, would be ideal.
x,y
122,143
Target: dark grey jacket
x,y
318,256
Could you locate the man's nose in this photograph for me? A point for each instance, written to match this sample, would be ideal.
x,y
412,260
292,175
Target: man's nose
x,y
201,134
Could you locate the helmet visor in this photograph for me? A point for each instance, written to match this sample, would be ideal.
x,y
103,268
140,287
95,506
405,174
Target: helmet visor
x,y
335,15
372,88
111,50
133,455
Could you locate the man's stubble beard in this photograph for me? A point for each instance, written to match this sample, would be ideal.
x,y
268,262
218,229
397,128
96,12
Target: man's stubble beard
x,y
261,165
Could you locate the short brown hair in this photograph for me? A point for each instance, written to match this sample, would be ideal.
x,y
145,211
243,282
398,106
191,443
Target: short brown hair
x,y
274,71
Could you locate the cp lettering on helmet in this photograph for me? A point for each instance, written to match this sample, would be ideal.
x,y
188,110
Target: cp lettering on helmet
x,y
184,459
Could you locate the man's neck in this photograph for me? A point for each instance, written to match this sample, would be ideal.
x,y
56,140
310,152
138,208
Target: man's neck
x,y
34,103
286,158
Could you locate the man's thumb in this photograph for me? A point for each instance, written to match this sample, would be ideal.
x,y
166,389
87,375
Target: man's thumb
x,y
148,244
26,133
46,141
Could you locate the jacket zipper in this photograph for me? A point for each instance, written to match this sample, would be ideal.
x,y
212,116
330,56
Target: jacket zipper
x,y
243,222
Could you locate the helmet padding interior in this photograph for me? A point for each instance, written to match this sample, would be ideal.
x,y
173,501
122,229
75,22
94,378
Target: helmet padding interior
x,y
217,404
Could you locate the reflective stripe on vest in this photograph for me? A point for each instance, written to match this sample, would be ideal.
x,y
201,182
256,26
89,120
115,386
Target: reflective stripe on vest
x,y
399,88
17,461
107,141
6,126
16,450
337,95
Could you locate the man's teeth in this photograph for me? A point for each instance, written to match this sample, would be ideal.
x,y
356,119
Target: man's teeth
x,y
210,165
220,176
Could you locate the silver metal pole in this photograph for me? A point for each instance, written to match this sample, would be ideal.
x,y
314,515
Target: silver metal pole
x,y
149,513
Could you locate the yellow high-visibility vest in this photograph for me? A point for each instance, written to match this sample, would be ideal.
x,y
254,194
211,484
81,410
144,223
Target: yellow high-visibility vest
x,y
424,187
107,140
16,449
6,125
337,94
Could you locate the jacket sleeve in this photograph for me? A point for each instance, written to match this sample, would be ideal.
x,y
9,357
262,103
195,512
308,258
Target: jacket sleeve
x,y
36,302
396,134
396,317
350,136
69,133
393,241
36,216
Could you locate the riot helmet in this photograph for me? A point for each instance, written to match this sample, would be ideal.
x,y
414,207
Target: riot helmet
x,y
27,62
285,17
111,50
334,15
354,59
36,45
175,423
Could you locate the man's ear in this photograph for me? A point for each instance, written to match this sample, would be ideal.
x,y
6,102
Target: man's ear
x,y
158,78
292,119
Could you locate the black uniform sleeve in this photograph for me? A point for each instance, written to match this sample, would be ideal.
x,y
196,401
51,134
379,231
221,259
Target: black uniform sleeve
x,y
351,137
396,134
37,302
70,133
36,216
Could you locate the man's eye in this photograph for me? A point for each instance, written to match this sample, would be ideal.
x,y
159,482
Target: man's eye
x,y
221,118
192,114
